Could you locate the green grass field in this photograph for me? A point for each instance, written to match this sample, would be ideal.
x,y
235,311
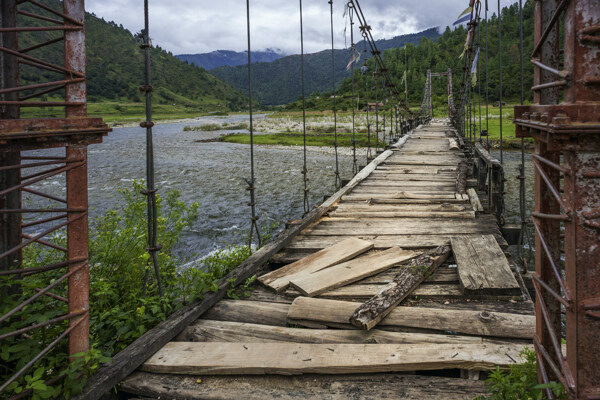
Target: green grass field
x,y
296,139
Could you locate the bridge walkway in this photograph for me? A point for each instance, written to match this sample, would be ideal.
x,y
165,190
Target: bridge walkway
x,y
297,341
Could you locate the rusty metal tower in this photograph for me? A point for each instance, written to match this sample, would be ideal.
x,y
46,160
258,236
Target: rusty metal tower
x,y
34,150
565,123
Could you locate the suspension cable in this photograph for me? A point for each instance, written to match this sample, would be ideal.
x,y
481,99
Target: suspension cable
x,y
304,170
479,73
487,100
524,238
251,188
338,180
369,154
500,80
352,61
150,191
376,75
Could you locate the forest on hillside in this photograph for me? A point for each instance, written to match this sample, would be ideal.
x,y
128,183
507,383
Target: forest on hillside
x,y
115,66
439,56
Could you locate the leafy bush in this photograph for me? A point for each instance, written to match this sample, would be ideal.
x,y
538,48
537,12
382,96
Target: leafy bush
x,y
121,308
520,382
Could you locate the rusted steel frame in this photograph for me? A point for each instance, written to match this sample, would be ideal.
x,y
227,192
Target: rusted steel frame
x,y
549,85
569,382
54,296
37,270
40,85
39,210
40,17
41,293
563,74
56,12
38,94
48,196
591,80
550,186
43,353
48,171
549,27
41,178
540,349
37,237
31,165
542,369
589,29
45,243
37,46
36,65
44,158
566,171
556,295
41,28
561,217
75,60
77,240
44,220
41,103
551,259
41,325
41,63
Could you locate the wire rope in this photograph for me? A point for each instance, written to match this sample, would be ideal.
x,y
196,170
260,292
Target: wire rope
x,y
306,204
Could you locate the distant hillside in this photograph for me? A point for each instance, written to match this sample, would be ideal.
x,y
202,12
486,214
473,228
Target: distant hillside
x,y
115,68
278,82
219,58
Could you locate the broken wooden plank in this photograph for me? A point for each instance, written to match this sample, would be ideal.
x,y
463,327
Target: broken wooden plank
x,y
404,214
227,331
414,271
350,271
293,358
258,312
474,199
482,266
337,313
347,249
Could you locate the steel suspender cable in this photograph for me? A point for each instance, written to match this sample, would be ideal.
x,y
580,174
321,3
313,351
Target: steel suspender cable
x,y
251,181
338,180
487,100
479,74
304,170
524,238
150,191
376,109
500,80
352,61
369,155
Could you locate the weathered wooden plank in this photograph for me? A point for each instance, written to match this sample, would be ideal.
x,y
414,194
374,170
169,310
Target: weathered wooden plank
x,y
345,250
396,183
482,266
474,199
350,271
390,190
469,322
292,358
257,312
461,179
402,214
401,226
443,207
441,275
302,387
226,331
401,195
414,271
359,291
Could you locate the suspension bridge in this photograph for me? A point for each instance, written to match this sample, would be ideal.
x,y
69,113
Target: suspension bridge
x,y
398,285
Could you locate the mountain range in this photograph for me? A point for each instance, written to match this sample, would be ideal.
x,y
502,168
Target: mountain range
x,y
279,81
218,58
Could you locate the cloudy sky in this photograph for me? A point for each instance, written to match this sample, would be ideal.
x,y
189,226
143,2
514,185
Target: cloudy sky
x,y
199,26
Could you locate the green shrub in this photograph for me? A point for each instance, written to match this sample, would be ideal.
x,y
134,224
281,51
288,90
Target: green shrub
x,y
520,382
121,309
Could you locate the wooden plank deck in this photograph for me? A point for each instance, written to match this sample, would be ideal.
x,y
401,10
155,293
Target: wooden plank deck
x,y
405,198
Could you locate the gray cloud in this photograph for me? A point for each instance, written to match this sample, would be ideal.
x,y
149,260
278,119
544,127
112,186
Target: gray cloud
x,y
185,26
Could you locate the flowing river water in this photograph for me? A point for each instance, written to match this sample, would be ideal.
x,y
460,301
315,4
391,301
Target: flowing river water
x,y
212,174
